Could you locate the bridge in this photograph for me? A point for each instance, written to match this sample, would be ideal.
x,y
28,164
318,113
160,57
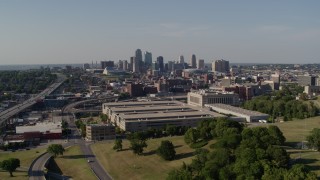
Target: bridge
x,y
8,113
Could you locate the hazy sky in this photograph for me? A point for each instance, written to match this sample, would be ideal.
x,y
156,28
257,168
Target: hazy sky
x,y
78,31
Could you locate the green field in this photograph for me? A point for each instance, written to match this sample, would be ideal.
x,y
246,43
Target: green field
x,y
295,132
26,157
126,165
74,164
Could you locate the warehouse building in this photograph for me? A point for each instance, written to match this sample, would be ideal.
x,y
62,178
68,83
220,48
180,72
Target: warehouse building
x,y
138,116
250,116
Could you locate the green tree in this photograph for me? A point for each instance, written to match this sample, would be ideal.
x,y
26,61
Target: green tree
x,y
191,136
299,172
137,146
55,149
10,165
276,134
314,139
166,150
117,145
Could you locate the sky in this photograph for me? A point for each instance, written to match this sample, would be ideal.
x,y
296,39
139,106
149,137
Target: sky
x,y
82,31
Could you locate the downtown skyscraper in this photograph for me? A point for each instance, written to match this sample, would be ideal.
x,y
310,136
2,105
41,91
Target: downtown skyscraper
x,y
193,61
148,59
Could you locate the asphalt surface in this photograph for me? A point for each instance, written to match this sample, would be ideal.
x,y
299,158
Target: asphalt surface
x,y
94,164
8,113
36,169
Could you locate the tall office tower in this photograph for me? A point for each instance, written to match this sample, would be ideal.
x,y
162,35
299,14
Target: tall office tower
x,y
181,59
148,58
155,66
170,66
160,63
221,66
131,63
139,58
136,65
193,61
105,64
125,65
120,65
200,64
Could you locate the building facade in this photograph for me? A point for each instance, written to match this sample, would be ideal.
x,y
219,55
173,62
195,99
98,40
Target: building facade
x,y
202,97
221,66
98,132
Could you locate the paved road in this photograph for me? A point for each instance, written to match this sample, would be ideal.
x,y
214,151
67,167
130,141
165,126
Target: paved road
x,y
94,164
36,169
8,113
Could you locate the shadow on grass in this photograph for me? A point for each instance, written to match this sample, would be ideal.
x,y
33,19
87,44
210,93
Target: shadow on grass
x,y
177,146
149,153
292,144
53,166
77,156
184,155
125,149
305,161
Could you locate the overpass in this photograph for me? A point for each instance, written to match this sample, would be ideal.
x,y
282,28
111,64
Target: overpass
x,y
8,113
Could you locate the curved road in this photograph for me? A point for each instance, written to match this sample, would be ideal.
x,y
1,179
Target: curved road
x,y
37,167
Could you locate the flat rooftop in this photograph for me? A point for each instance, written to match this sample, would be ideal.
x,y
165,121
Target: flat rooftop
x,y
159,110
236,110
149,108
43,127
137,103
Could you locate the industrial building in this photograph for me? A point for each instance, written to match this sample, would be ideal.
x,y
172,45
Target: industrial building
x,y
250,116
48,130
138,116
97,132
202,97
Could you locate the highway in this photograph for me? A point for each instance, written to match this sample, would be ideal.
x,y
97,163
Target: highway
x,y
37,167
8,113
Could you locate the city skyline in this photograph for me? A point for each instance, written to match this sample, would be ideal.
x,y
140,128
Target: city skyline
x,y
67,32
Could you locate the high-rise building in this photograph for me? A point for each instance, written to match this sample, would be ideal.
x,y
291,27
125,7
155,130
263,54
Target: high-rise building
x,y
148,58
105,64
155,66
181,59
200,64
125,65
136,65
160,63
193,61
120,65
221,66
139,58
131,63
170,66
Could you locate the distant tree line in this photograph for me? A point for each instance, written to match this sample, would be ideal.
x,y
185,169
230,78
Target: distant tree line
x,y
282,103
240,153
30,82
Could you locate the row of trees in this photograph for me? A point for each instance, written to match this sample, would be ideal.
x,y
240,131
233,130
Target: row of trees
x,y
282,103
250,153
29,82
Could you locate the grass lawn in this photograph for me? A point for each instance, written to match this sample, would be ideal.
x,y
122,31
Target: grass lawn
x,y
295,132
26,157
298,129
74,164
126,165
